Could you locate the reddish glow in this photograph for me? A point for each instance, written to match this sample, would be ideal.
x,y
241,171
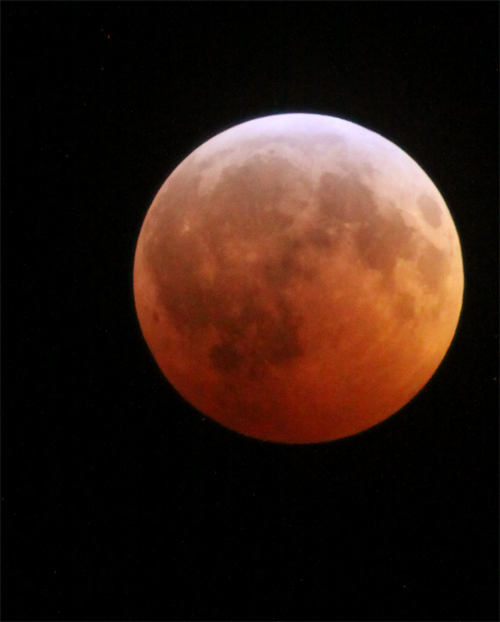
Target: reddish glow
x,y
298,278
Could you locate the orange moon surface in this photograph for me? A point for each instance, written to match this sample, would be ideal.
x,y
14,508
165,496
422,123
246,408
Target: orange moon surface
x,y
298,278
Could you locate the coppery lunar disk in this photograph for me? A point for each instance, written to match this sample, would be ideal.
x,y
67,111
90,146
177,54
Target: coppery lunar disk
x,y
298,278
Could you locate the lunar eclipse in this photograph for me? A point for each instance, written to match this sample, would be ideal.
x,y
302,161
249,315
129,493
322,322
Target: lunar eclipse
x,y
298,278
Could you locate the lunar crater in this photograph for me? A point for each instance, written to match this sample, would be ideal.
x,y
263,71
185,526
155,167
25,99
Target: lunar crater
x,y
430,210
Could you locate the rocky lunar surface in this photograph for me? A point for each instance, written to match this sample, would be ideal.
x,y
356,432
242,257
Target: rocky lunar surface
x,y
298,278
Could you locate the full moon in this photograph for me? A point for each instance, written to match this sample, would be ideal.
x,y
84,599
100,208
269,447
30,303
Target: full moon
x,y
298,278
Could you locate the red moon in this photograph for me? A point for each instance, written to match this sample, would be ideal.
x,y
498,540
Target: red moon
x,y
298,278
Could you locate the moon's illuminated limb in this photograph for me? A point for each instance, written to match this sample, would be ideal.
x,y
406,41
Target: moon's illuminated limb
x,y
298,278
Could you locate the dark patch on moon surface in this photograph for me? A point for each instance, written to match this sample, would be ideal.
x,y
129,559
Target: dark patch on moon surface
x,y
344,198
274,338
405,306
285,265
434,267
380,239
225,357
245,200
430,210
198,245
235,299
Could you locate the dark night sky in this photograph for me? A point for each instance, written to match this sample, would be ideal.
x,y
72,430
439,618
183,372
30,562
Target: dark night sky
x,y
119,501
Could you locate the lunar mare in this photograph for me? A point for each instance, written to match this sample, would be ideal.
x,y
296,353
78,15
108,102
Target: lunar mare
x,y
298,278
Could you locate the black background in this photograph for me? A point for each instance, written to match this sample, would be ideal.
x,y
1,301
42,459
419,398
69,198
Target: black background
x,y
120,501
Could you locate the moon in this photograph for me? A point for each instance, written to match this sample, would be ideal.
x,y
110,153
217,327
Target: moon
x,y
298,278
